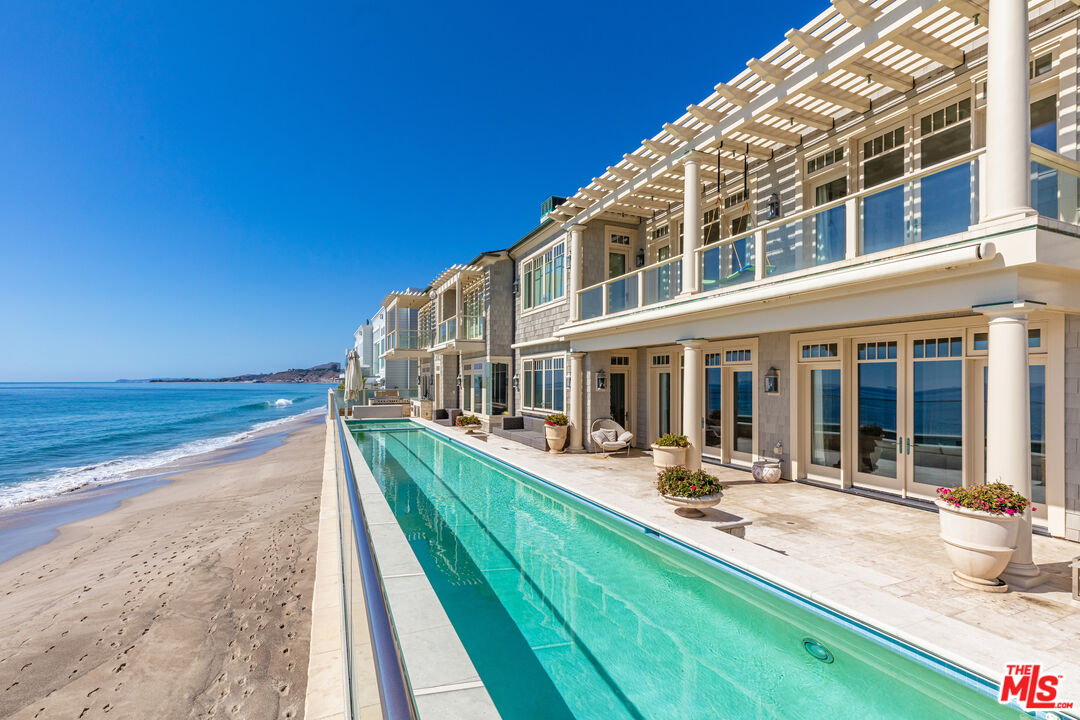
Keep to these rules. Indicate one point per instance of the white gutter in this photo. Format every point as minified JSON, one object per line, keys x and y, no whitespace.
{"x":541,"y":341}
{"x":857,"y":275}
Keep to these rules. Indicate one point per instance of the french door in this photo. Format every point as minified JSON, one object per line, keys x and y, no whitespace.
{"x":620,"y":391}
{"x":878,"y":413}
{"x":823,"y":408}
{"x":665,"y":407}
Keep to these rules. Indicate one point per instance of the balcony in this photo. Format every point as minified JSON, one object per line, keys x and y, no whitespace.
{"x":877,"y":223}
{"x":468,"y":334}
{"x":402,"y":344}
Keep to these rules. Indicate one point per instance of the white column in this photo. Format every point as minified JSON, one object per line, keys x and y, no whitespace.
{"x":459,"y":303}
{"x":577,"y":402}
{"x":1008,"y":119}
{"x":693,"y":373}
{"x":691,"y":219}
{"x":575,"y":284}
{"x":1008,"y":424}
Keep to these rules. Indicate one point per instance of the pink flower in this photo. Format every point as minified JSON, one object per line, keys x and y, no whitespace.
{"x":1011,"y":511}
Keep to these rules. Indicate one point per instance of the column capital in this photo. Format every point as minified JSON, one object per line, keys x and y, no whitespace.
{"x":578,"y":227}
{"x":697,"y":157}
{"x":692,"y":342}
{"x":1011,"y":307}
{"x":577,"y":355}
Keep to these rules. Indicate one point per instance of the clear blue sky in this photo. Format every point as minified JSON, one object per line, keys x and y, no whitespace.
{"x":213,"y":188}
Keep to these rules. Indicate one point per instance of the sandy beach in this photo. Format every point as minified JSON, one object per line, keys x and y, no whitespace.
{"x":189,"y":600}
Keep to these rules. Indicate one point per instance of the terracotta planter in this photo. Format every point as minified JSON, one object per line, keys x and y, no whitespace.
{"x":665,"y":456}
{"x":979,"y":545}
{"x":766,"y":470}
{"x":556,"y":437}
{"x":692,"y":507}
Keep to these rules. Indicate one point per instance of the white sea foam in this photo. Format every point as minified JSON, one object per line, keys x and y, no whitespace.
{"x":282,"y":402}
{"x":67,"y":479}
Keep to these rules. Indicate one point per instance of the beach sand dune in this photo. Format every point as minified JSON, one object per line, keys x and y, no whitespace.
{"x":191,"y":600}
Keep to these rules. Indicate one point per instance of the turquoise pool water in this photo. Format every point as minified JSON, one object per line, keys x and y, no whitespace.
{"x":570,"y":612}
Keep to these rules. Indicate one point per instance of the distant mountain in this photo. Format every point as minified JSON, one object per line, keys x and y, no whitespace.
{"x":325,"y":373}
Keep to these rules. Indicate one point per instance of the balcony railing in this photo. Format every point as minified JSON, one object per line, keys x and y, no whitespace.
{"x":653,"y":284}
{"x":930,"y":203}
{"x":471,"y":327}
{"x":402,"y":340}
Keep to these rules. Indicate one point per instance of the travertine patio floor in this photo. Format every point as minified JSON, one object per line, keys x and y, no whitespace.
{"x":891,"y":547}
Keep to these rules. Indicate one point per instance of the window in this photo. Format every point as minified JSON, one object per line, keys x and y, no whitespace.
{"x":824,"y":160}
{"x":945,"y":133}
{"x":543,"y":384}
{"x":1040,"y":65}
{"x":820,"y":350}
{"x":499,"y":384}
{"x":711,"y":224}
{"x":620,"y":239}
{"x":877,"y":351}
{"x":939,"y":348}
{"x":618,"y":253}
{"x":544,"y":277}
{"x":833,"y":190}
{"x":1044,"y":123}
{"x":621,"y":360}
{"x":661,"y":232}
{"x":659,"y":360}
{"x":737,"y":356}
{"x":883,"y":158}
{"x":735,"y":199}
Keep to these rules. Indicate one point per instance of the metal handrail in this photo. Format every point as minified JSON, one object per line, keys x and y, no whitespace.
{"x":389,"y":672}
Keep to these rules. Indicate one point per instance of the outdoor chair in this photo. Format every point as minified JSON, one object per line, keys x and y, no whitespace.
{"x":610,"y":436}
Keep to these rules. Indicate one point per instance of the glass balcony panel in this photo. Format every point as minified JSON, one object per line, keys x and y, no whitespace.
{"x":622,"y":294}
{"x":592,"y":303}
{"x":884,"y":220}
{"x":727,"y":264}
{"x":945,"y":203}
{"x":1055,"y":193}
{"x":663,"y":283}
{"x":808,"y":242}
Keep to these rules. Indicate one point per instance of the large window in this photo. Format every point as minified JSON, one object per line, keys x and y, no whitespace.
{"x":883,"y":213}
{"x":543,"y":278}
{"x":543,"y":384}
{"x":946,"y":195}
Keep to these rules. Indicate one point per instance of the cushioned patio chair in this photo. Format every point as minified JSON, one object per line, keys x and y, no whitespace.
{"x":610,"y":436}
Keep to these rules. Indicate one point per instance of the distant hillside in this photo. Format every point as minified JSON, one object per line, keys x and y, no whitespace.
{"x":325,"y":373}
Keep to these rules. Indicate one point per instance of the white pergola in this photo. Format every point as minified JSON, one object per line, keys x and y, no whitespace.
{"x":850,"y":56}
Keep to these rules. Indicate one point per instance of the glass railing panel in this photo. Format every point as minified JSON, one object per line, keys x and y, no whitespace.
{"x":663,"y":283}
{"x":1055,"y":193}
{"x":727,"y":264}
{"x":472,"y":328}
{"x":808,"y":242}
{"x":591,"y":303}
{"x":945,"y":202}
{"x":622,"y":294}
{"x":884,"y":220}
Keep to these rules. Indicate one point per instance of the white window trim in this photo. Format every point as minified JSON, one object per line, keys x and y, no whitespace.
{"x":521,"y":390}
{"x":563,"y":240}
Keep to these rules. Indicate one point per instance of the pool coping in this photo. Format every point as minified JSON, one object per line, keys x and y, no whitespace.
{"x":969,"y":648}
{"x":440,"y":674}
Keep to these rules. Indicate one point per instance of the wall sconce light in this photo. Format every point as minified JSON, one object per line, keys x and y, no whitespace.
{"x":569,"y":378}
{"x":772,"y":381}
{"x":517,"y":382}
{"x":601,"y":380}
{"x":779,"y":448}
{"x":459,"y":381}
{"x":774,"y":206}
{"x":641,"y":257}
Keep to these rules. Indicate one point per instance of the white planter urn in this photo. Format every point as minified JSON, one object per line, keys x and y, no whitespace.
{"x":668,"y":456}
{"x":767,"y":470}
{"x":692,"y":507}
{"x":556,"y":437}
{"x":979,"y":545}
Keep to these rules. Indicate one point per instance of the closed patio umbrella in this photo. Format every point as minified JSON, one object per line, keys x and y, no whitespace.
{"x":352,"y":377}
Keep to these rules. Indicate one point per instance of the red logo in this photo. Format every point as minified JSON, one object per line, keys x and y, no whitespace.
{"x":1032,"y":689}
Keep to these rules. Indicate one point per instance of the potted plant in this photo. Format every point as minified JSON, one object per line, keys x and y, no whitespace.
{"x":467,"y":423}
{"x":669,"y":450}
{"x":979,"y":525}
{"x":555,"y":431}
{"x":689,"y":491}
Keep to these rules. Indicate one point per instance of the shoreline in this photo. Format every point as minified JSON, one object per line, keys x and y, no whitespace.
{"x":192,"y":600}
{"x":37,"y":522}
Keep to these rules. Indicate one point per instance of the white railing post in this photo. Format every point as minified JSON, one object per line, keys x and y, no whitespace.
{"x":851,"y":228}
{"x":760,"y":256}
{"x":640,"y":288}
{"x":604,"y":299}
{"x":575,"y":251}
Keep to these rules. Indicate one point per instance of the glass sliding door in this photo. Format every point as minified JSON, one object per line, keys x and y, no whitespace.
{"x":618,"y":398}
{"x":714,"y":411}
{"x":742,"y":405}
{"x":825,"y":412}
{"x":664,"y":394}
{"x":936,"y":458}
{"x":877,"y":414}
{"x":663,"y":407}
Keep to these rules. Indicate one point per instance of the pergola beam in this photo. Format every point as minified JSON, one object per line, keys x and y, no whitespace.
{"x":705,"y":115}
{"x":682,"y":133}
{"x":838,"y":96}
{"x":858,"y":14}
{"x":929,"y":47}
{"x":881,"y":73}
{"x":807,"y":44}
{"x":609,"y":183}
{"x":734,"y":95}
{"x":623,"y":173}
{"x":660,"y":148}
{"x":639,"y":161}
{"x":818,"y":121}
{"x":767,"y":71}
{"x":767,"y":132}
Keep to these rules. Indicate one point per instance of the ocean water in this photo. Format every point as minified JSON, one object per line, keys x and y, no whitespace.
{"x":55,"y":437}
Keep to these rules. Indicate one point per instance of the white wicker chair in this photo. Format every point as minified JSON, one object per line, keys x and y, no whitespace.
{"x":623,"y":437}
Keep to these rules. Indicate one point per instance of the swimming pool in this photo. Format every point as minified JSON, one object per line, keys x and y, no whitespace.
{"x":568,"y":611}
